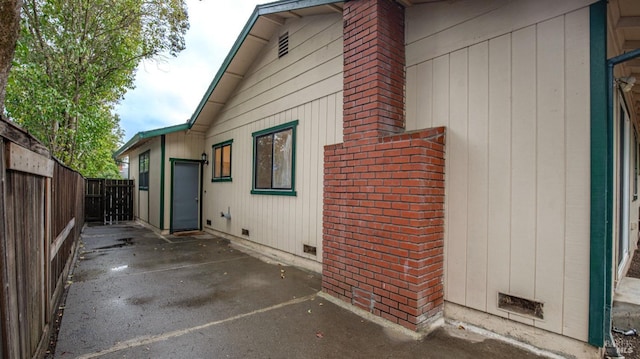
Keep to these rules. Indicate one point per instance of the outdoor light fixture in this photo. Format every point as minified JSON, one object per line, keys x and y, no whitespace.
{"x":626,"y":83}
{"x":204,"y":158}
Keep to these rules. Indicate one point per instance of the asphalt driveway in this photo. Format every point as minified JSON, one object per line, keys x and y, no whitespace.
{"x":135,"y":294}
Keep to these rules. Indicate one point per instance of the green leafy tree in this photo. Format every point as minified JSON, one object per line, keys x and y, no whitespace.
{"x":74,"y":61}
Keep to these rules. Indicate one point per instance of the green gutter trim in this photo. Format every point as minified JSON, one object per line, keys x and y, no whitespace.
{"x":601,"y":162}
{"x":162,"y":178}
{"x":265,"y":9}
{"x":289,"y":5}
{"x":148,"y":134}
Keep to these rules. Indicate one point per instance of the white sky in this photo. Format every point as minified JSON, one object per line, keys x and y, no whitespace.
{"x":168,"y":91}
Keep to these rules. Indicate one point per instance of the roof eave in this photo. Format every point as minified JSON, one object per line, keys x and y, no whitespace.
{"x":260,"y":10}
{"x":149,"y":134}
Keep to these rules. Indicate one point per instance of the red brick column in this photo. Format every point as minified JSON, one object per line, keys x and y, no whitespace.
{"x":373,"y":69}
{"x":383,"y":218}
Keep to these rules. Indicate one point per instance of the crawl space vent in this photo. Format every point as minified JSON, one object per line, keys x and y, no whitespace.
{"x":283,"y":45}
{"x":309,"y":249}
{"x":521,"y":306}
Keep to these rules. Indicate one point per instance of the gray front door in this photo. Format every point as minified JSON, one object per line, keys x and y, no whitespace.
{"x":185,"y":206}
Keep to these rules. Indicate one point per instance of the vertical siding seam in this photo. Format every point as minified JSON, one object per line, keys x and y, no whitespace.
{"x":487,"y":175}
{"x":566,"y":175}
{"x":468,"y":181}
{"x":488,"y":171}
{"x":510,"y":153}
{"x":535,"y":179}
{"x":447,"y":188}
{"x":510,"y":219}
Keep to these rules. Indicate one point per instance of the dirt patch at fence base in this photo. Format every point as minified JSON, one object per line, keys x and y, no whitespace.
{"x":55,"y":327}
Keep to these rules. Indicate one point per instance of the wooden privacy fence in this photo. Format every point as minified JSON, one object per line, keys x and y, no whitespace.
{"x":41,"y":217}
{"x":108,"y":200}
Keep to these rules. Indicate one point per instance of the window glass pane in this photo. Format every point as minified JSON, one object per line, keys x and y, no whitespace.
{"x":217,"y":165}
{"x":144,"y":170}
{"x":226,"y":161}
{"x":264,"y":156}
{"x":282,"y":155}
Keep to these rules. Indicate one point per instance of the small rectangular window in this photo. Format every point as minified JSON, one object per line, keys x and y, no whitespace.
{"x":274,"y":160}
{"x":222,"y":161}
{"x":144,"y":171}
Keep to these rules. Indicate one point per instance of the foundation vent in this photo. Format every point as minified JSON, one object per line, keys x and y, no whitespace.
{"x":245,"y":232}
{"x":522,"y":306}
{"x":309,"y":249}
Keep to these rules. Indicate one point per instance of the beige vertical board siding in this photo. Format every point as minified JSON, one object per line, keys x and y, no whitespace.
{"x":305,"y":178}
{"x":551,"y":173}
{"x":526,"y":190}
{"x":154,"y":183}
{"x":440,"y":28}
{"x":523,"y":167}
{"x":458,"y":175}
{"x":498,"y":227}
{"x":319,"y":170}
{"x":312,"y":176}
{"x":339,"y":125}
{"x":134,"y":172}
{"x":478,"y":164}
{"x":411,"y":99}
{"x":576,"y":264}
{"x":305,"y":85}
{"x":330,"y":123}
{"x":441,"y":83}
{"x":182,"y":145}
{"x":425,"y":103}
{"x":441,"y":118}
{"x":280,"y":222}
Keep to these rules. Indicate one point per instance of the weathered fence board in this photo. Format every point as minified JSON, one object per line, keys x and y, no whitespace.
{"x":25,"y":227}
{"x":41,"y":218}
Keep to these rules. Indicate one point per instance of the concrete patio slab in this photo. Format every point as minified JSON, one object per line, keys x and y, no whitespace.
{"x":135,"y":294}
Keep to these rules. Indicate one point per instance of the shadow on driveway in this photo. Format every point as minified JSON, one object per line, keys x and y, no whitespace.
{"x":135,"y":294}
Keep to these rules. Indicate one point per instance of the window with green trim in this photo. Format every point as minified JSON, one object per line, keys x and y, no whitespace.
{"x":274,"y":160}
{"x":221,"y":161}
{"x":143,"y":178}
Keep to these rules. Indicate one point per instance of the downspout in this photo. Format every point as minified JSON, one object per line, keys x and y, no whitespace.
{"x":201,"y":193}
